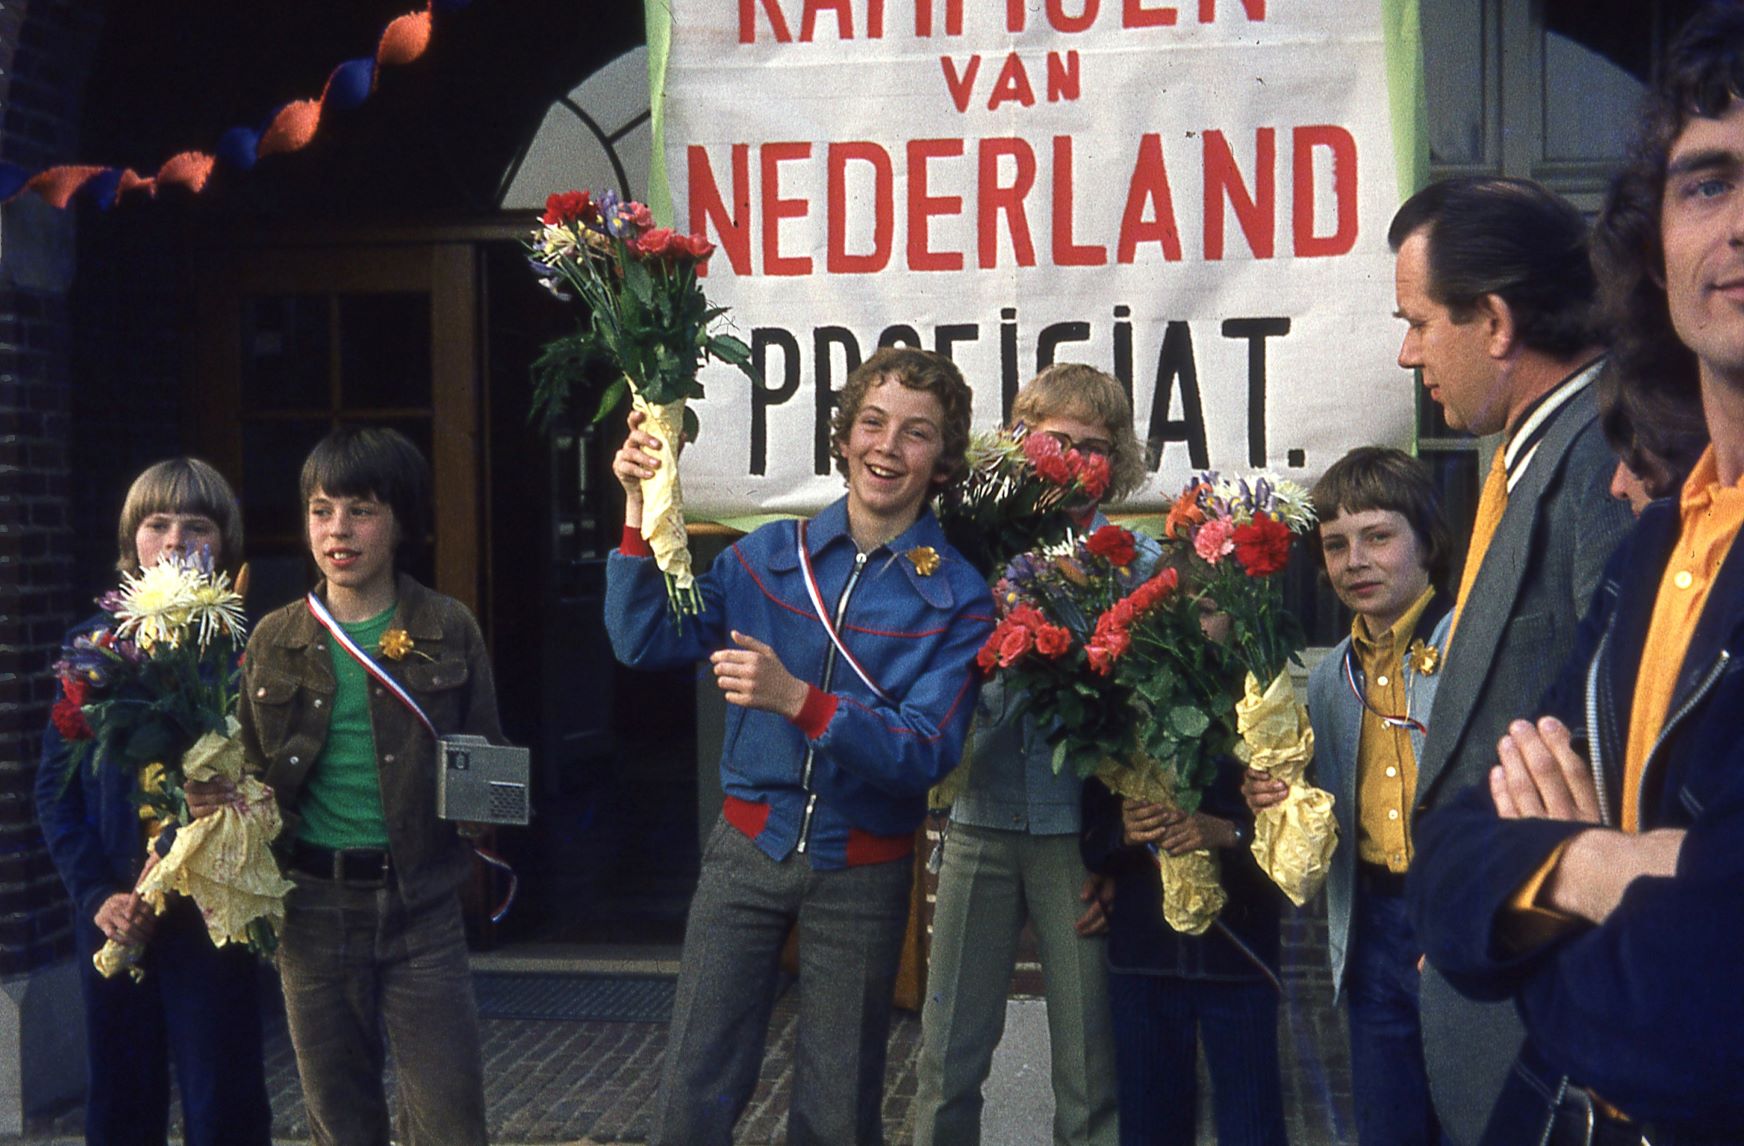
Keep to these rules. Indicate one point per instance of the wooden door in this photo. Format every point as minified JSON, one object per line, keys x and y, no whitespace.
{"x":292,"y":342}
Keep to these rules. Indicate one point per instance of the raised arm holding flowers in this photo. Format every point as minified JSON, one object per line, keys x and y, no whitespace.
{"x":648,"y":316}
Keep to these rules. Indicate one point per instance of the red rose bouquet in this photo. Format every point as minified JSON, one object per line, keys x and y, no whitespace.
{"x":1116,"y":667}
{"x":648,"y":315}
{"x":1237,"y":533}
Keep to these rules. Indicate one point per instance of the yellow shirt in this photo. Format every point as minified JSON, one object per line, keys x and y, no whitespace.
{"x":1712,"y":515}
{"x":1386,"y":768}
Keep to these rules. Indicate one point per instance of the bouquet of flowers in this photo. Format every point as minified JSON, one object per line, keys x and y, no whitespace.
{"x":1239,"y":534}
{"x":1018,"y":496}
{"x":647,"y":314}
{"x":153,"y":691}
{"x":1118,"y":669}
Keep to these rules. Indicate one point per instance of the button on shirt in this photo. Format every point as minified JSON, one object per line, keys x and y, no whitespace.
{"x":1386,"y":766}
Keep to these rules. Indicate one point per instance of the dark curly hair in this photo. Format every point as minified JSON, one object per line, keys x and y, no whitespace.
{"x":1704,"y":73}
{"x":917,"y":370}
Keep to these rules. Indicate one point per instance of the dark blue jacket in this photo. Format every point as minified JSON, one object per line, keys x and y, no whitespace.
{"x":872,"y":761}
{"x":1242,"y":945}
{"x":90,"y":821}
{"x":1645,"y":1009}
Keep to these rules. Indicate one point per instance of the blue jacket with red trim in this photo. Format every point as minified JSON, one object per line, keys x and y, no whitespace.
{"x":846,"y":781}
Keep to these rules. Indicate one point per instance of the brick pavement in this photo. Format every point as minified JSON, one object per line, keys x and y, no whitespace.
{"x":592,"y":1083}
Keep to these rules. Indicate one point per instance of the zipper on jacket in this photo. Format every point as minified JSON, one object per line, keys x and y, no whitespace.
{"x":829,"y":673}
{"x":1595,"y":734}
{"x":1715,"y":671}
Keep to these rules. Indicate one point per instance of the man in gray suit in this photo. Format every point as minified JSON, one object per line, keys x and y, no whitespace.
{"x":1493,"y":279}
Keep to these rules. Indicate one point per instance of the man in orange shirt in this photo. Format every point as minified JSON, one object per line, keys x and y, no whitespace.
{"x":1599,"y":880}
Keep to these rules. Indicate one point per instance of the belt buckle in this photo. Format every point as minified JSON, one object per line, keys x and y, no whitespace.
{"x":340,"y":856}
{"x":1584,"y":1101}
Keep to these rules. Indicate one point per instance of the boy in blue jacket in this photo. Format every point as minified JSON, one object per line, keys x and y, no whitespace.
{"x":845,"y":648}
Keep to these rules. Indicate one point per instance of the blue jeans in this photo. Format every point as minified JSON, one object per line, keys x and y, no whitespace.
{"x":197,"y":1006}
{"x":1158,"y":1022}
{"x":1389,"y":1085}
{"x":356,"y":961}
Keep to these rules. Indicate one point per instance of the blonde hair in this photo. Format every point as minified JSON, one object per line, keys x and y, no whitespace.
{"x":1074,"y":390}
{"x":179,"y":485}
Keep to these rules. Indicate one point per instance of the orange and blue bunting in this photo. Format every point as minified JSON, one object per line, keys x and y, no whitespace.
{"x":290,"y":128}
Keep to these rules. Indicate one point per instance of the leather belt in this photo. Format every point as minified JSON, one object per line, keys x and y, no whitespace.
{"x":1379,"y":879}
{"x":368,"y":867}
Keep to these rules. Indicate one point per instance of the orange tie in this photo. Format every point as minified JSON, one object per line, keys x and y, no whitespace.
{"x":1492,"y":504}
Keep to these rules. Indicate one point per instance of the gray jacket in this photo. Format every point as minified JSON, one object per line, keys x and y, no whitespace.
{"x":1537,"y":579}
{"x":1337,"y":718}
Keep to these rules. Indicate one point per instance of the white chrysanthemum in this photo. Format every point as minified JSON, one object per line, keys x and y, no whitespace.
{"x":156,"y":603}
{"x":216,"y":609}
{"x":1293,"y":504}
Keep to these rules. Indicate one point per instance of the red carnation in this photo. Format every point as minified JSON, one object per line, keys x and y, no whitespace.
{"x":1027,"y":616}
{"x":1053,"y":641}
{"x":1113,"y":543}
{"x":1262,"y":546}
{"x":696,"y":246}
{"x":1093,"y":475}
{"x":69,"y":720}
{"x":1045,"y":455}
{"x":989,"y":654}
{"x":566,"y":207}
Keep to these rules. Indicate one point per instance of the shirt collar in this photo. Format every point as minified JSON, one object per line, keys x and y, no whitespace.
{"x":831,"y":526}
{"x":1400,"y":632}
{"x":1520,"y":444}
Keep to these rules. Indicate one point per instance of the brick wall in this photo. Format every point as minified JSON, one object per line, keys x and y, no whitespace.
{"x":45,"y":46}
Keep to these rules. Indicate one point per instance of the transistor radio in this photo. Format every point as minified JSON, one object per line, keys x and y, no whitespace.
{"x":480,"y":782}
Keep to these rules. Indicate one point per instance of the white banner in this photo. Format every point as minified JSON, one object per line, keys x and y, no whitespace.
{"x":1191,"y":195}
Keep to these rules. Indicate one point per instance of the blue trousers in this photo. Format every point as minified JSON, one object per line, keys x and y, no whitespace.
{"x":1388,"y":1082}
{"x":199,"y":1007}
{"x":1158,"y":1023}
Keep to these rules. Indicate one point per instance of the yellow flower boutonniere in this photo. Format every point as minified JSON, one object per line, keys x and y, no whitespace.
{"x":151,"y":783}
{"x":395,"y":644}
{"x":925,"y":558}
{"x":1423,"y":658}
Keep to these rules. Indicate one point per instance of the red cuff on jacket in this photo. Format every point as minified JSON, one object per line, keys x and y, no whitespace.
{"x":748,"y":816}
{"x":815,"y":714}
{"x":633,"y":544}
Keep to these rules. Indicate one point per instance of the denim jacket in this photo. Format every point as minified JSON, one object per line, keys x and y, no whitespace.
{"x":1012,"y":785}
{"x":287,"y":701}
{"x":853,"y":765}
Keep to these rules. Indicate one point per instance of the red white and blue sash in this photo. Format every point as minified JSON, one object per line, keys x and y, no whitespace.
{"x":823,"y":614}
{"x":324,"y":618}
{"x":318,"y":609}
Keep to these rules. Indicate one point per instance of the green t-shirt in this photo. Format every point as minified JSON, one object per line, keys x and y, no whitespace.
{"x":341,"y":800}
